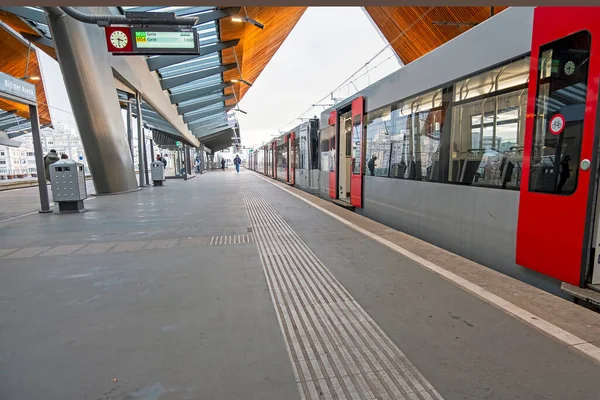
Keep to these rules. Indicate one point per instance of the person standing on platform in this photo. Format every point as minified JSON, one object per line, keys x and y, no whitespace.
{"x":223,"y":164}
{"x":237,"y":161}
{"x":50,"y":159}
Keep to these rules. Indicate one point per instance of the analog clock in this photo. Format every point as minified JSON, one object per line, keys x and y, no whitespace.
{"x":569,"y":67}
{"x":119,"y":39}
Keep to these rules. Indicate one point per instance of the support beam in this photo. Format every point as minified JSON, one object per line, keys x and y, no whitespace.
{"x":202,"y":104}
{"x":208,"y":129}
{"x":39,"y":160}
{"x":217,"y":14}
{"x":38,"y":39}
{"x":88,"y":77}
{"x":170,"y":83}
{"x":158,"y":62}
{"x":27,"y":13}
{"x":191,"y":119}
{"x":195,"y":93}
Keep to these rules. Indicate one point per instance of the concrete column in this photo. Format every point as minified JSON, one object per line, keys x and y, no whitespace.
{"x":87,"y":73}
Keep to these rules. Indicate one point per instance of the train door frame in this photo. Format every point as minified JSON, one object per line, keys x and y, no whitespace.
{"x":358,"y":131}
{"x":274,"y":160}
{"x":333,"y":121}
{"x":291,"y":159}
{"x":572,"y":260}
{"x":265,"y":167}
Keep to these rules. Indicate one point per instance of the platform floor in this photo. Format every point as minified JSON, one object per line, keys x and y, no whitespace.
{"x":232,"y":286}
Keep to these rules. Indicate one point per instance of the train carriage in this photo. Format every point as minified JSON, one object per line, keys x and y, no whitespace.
{"x":485,"y":146}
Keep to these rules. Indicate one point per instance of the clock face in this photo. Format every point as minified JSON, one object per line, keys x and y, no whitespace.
{"x":118,"y":39}
{"x":569,"y":67}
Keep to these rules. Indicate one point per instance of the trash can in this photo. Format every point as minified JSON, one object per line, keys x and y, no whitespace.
{"x":67,"y":179}
{"x":157,"y":169}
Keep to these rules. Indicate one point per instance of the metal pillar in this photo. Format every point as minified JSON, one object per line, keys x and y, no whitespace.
{"x":89,"y":80}
{"x":39,"y":160}
{"x":151,"y":150}
{"x":185,"y":166}
{"x":130,"y":128}
{"x":146,"y":161}
{"x":140,"y":128}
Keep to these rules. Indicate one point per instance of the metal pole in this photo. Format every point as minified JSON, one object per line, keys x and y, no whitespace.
{"x":39,"y":160}
{"x":130,"y":128}
{"x":151,"y":150}
{"x":185,"y":167}
{"x":146,"y":161}
{"x":140,"y":140}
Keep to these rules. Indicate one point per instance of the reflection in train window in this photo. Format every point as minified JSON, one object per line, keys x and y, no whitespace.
{"x":560,"y":109}
{"x":326,"y":133}
{"x":487,"y":141}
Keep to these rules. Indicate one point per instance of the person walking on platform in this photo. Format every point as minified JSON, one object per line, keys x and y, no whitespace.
{"x":371,"y":165}
{"x":237,"y":161}
{"x":223,"y":164}
{"x":50,"y":159}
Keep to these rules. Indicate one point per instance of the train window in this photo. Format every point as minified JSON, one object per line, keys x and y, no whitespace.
{"x":324,"y":148}
{"x":504,"y":77}
{"x":357,"y":130}
{"x":300,"y":157}
{"x":378,"y":142}
{"x":559,"y":114}
{"x":402,"y":145}
{"x":487,"y":141}
{"x":314,"y":148}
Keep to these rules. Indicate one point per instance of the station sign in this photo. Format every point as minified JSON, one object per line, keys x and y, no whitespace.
{"x":138,"y":41}
{"x":14,"y":87}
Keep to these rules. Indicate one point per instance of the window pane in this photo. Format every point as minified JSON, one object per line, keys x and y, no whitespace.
{"x":500,"y":78}
{"x":427,"y":134}
{"x":325,"y":134}
{"x":357,"y":130}
{"x":487,"y":141}
{"x":378,"y":146}
{"x":314,"y":149}
{"x":282,"y":160}
{"x":562,"y":89}
{"x":402,"y":146}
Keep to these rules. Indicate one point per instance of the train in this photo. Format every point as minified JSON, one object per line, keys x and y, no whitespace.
{"x":486,"y":146}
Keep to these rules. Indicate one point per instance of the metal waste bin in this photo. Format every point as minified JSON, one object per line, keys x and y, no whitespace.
{"x":67,"y":179}
{"x":157,"y":169}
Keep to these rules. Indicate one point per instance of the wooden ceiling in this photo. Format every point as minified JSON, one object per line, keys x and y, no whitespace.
{"x":256,"y":46}
{"x":13,"y":60}
{"x":23,"y":28}
{"x":411,"y":32}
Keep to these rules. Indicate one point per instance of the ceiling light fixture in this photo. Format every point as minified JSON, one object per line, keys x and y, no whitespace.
{"x":246,"y":18}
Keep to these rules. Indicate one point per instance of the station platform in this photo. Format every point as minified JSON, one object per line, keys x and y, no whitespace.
{"x":235,"y":286}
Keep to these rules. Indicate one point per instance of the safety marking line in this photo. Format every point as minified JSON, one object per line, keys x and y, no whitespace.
{"x":336,"y":349}
{"x":549,"y":328}
{"x":231,"y":239}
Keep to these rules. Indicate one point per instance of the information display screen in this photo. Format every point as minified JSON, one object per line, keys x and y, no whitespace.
{"x":164,"y":40}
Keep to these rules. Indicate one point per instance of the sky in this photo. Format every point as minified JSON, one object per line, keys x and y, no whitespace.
{"x":327,"y":45}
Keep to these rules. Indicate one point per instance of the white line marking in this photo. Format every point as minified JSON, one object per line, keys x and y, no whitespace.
{"x":549,"y":328}
{"x":316,"y":313}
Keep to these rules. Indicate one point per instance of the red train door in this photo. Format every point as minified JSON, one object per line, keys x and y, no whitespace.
{"x":292,"y":158}
{"x":558,"y":186}
{"x":356,"y":178}
{"x":286,"y":142}
{"x":333,"y":117}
